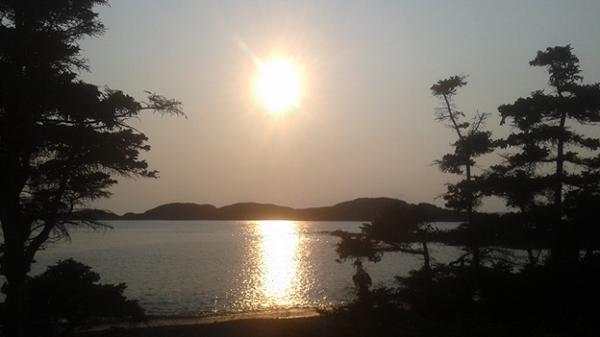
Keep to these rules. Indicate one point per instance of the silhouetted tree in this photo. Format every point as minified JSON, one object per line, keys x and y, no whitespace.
{"x":581,"y":207}
{"x":61,"y":140}
{"x":356,"y":246}
{"x":514,"y":180}
{"x":550,"y":173}
{"x":399,"y":228}
{"x":68,"y":296}
{"x":549,"y":155}
{"x":472,"y":142}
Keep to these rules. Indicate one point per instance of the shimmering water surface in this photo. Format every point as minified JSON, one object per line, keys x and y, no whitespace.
{"x":195,"y":267}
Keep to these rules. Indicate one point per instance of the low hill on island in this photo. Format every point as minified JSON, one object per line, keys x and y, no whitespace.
{"x":362,"y":209}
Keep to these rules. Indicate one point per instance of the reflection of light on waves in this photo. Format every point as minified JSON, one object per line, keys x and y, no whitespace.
{"x":279,"y":263}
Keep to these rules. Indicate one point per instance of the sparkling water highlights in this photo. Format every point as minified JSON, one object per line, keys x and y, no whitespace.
{"x":276,"y":269}
{"x":279,"y":262}
{"x":195,"y":267}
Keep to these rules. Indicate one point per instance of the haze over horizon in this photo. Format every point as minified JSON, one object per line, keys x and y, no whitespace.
{"x":366,"y":101}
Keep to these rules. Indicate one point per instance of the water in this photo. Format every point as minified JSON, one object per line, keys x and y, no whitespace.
{"x":197,"y":267}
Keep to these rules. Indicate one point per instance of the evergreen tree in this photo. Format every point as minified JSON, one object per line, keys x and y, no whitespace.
{"x":551,"y":159}
{"x":472,"y":141}
{"x":62,"y":140}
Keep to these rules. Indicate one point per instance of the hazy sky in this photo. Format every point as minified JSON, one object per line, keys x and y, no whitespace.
{"x":366,"y":124}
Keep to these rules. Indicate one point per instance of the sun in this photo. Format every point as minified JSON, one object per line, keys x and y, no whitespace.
{"x":278,"y":85}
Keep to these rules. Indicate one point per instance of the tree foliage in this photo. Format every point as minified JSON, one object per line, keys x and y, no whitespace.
{"x":550,"y":159}
{"x":548,"y":173}
{"x":68,"y":296}
{"x":62,"y":141}
{"x":397,"y":229}
{"x":472,"y":141}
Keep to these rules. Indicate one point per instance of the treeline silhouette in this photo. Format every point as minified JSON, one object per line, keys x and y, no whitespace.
{"x":532,"y":272}
{"x":361,"y":209}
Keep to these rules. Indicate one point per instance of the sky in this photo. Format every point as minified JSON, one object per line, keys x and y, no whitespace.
{"x":365,"y":126}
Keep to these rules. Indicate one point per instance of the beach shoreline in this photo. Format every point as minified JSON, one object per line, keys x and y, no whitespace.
{"x":163,"y":321}
{"x":290,"y":323}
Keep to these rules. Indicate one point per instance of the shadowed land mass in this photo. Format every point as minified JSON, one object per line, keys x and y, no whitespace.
{"x":362,"y":209}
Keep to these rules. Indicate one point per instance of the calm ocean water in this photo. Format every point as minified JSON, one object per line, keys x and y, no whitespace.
{"x":196,"y":267}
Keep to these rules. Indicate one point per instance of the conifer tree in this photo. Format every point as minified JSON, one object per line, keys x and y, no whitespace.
{"x":472,"y":141}
{"x":552,"y":165}
{"x":62,"y":141}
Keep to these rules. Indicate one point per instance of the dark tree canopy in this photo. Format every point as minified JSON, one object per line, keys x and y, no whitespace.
{"x":62,"y":141}
{"x":548,"y":173}
{"x":562,"y":65}
{"x":397,"y":229}
{"x":68,"y":295}
{"x":552,"y":165}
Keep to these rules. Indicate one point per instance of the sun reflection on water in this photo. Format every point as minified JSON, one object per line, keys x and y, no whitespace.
{"x":276,"y":274}
{"x":279,"y":261}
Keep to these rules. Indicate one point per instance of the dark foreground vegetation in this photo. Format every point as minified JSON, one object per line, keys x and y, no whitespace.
{"x":531,"y":272}
{"x":62,"y":140}
{"x":299,"y":327}
{"x":68,"y":297}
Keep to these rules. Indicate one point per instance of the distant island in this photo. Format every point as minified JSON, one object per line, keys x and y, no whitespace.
{"x":361,"y":209}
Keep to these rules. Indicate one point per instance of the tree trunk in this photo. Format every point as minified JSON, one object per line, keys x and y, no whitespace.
{"x":531,"y":257}
{"x":558,"y":253}
{"x":473,"y":244}
{"x":564,"y":250}
{"x":14,"y":264}
{"x":15,"y":268}
{"x":15,"y":306}
{"x":426,"y":257}
{"x":473,"y":240}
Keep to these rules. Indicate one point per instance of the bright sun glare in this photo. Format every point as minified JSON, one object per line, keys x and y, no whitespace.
{"x":278,"y":85}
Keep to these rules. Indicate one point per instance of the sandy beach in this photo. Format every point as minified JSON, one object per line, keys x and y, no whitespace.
{"x":291,"y":323}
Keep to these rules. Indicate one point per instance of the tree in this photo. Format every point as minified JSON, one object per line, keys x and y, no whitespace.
{"x":472,"y":142}
{"x":397,"y":229}
{"x":550,"y":155}
{"x":62,"y":141}
{"x":68,"y":296}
